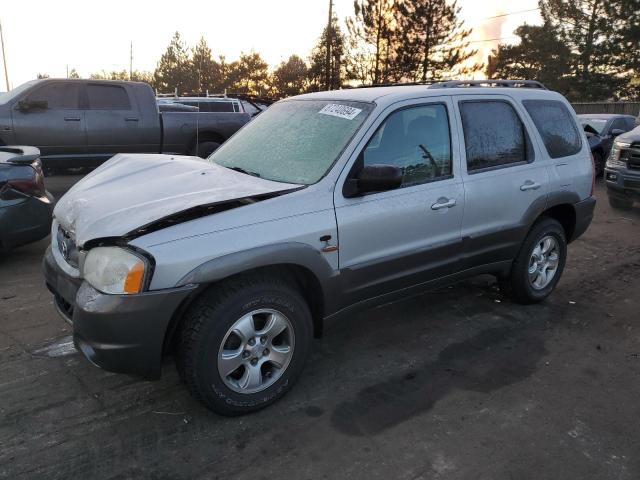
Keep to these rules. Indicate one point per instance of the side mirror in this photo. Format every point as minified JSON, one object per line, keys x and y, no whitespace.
{"x":29,"y":105}
{"x":373,"y":178}
{"x":616,"y":131}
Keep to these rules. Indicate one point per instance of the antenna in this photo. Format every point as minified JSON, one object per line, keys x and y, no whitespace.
{"x":4,"y":59}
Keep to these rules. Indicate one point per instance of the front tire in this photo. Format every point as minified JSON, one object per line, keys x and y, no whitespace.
{"x":244,"y":344}
{"x":538,"y":267}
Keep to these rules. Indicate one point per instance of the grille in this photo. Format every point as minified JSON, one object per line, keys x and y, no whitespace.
{"x":67,"y":247}
{"x":632,"y":183}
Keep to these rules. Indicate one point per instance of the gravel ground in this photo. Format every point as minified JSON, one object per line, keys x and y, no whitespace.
{"x":456,"y":384}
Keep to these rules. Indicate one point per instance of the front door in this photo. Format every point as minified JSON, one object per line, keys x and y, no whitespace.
{"x":56,"y":123}
{"x":395,"y":239}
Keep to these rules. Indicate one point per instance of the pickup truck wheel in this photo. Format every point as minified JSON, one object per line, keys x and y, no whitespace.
{"x":244,"y":343}
{"x":539,"y":264}
{"x":205,"y":148}
{"x":621,"y":203}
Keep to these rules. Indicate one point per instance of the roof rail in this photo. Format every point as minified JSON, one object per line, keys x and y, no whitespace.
{"x":489,"y":83}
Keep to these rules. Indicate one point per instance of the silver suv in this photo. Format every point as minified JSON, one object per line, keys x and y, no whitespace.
{"x":325,"y":203}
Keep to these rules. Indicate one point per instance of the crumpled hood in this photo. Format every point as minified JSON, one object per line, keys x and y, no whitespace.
{"x":130,"y":191}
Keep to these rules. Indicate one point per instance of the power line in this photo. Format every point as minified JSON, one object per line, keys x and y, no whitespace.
{"x":511,"y":13}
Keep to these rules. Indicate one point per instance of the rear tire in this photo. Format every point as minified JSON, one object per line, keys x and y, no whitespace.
{"x":539,"y":264}
{"x":620,"y":203}
{"x":235,"y":323}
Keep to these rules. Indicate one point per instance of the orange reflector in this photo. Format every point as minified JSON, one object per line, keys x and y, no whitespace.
{"x":133,"y":282}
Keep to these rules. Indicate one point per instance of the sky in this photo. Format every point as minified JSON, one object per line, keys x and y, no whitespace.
{"x":47,"y":36}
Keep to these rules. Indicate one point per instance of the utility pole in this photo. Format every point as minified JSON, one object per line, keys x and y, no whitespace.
{"x":328,"y":60}
{"x":4,"y":59}
{"x":131,"y":61}
{"x":67,"y":70}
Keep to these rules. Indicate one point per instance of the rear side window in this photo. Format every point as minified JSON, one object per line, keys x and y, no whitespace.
{"x":107,"y":97}
{"x":493,"y":134}
{"x":59,"y":96}
{"x":556,"y":127}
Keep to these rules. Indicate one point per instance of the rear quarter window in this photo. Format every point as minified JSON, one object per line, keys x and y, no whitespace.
{"x":107,"y":97}
{"x":556,"y":127}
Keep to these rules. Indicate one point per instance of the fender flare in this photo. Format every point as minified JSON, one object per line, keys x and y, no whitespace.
{"x":289,"y":253}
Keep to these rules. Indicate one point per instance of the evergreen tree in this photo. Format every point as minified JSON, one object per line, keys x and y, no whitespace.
{"x":373,"y":26}
{"x":431,"y":42}
{"x":290,"y":77}
{"x":207,"y":75}
{"x":318,"y":59}
{"x":250,"y":74}
{"x":173,"y":70}
{"x":539,"y":56}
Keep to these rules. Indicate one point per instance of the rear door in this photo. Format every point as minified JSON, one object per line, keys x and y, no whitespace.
{"x":114,"y":122}
{"x":57,"y":129}
{"x":505,"y":180}
{"x":395,"y":239}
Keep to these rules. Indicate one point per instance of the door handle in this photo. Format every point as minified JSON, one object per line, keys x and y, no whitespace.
{"x":443,"y":203}
{"x":131,"y":119}
{"x":529,"y":185}
{"x":71,"y":119}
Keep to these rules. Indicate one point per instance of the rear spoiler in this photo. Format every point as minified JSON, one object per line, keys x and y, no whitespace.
{"x":19,"y":155}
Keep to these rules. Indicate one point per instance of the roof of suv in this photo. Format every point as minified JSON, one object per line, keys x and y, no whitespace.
{"x":398,"y":93}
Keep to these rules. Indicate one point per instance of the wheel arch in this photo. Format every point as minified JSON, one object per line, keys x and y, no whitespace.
{"x":301,"y":265}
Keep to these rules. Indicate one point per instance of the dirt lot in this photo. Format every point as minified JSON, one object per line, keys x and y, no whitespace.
{"x":457,"y":383}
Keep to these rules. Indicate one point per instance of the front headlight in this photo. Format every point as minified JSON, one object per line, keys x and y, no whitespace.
{"x":614,"y":156}
{"x":115,"y":270}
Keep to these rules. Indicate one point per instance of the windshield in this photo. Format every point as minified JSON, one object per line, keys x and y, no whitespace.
{"x":597,"y":124}
{"x":295,"y":141}
{"x":8,"y":96}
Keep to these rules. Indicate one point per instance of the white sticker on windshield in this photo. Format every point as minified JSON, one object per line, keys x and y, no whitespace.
{"x":342,"y":111}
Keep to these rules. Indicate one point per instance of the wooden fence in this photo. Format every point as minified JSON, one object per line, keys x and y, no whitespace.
{"x":621,"y":108}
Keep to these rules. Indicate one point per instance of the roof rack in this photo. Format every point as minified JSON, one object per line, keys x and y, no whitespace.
{"x":489,"y":83}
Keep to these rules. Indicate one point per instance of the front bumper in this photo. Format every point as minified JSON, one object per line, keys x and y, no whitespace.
{"x":623,"y":182}
{"x":119,"y":333}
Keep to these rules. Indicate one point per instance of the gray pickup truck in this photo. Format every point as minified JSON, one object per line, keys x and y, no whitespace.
{"x":82,"y":123}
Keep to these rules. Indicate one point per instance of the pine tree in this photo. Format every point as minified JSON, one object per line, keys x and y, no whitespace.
{"x":205,"y":70}
{"x":290,"y":77}
{"x":431,"y":42}
{"x":250,"y":74}
{"x":372,"y":27}
{"x":173,"y":70}
{"x":318,"y":59}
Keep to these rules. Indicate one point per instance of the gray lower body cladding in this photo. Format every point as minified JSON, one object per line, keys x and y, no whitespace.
{"x":119,"y":333}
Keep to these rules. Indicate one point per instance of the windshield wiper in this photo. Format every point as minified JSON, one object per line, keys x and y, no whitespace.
{"x":246,"y":172}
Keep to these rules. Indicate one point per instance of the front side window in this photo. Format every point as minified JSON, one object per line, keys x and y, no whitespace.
{"x":295,"y":141}
{"x":417,"y":141}
{"x":59,"y":96}
{"x":107,"y":97}
{"x":556,"y":127}
{"x":493,"y":134}
{"x":619,"y":124}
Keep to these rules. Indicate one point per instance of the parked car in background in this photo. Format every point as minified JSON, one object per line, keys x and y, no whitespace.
{"x":235,"y":267}
{"x":622,"y":172}
{"x":82,"y":123}
{"x":25,"y":206}
{"x":601,"y":130}
{"x":227,"y":102}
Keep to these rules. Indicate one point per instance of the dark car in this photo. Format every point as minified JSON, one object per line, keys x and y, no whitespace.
{"x":601,"y":129}
{"x":25,"y":206}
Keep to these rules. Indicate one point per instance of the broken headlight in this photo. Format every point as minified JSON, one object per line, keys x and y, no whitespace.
{"x":115,"y":270}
